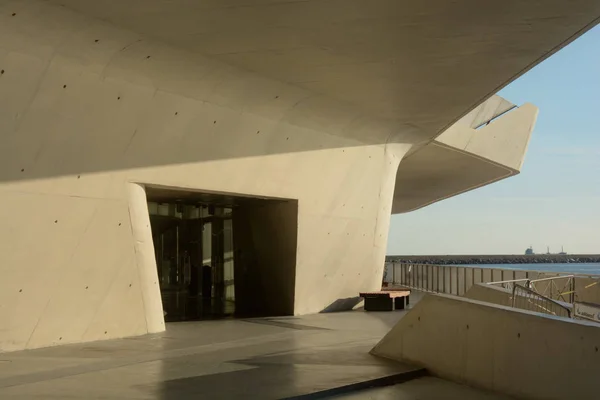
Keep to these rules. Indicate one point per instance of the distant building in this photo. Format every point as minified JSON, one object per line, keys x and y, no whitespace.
{"x":562,"y":251}
{"x":529,"y":251}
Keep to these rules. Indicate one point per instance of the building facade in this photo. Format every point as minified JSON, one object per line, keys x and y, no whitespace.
{"x":269,"y":141}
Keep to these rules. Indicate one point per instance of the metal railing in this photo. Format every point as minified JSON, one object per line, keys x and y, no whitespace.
{"x":527,"y":299}
{"x":455,"y":280}
{"x":561,"y":287}
{"x":527,"y":289}
{"x":509,"y":285}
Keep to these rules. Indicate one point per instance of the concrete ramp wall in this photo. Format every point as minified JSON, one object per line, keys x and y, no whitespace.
{"x":515,"y":352}
{"x":489,"y":294}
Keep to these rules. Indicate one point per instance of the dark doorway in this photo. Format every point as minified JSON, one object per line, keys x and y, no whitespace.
{"x":221,"y":255}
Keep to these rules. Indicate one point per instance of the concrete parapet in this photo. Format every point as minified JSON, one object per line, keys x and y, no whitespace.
{"x":515,"y":352}
{"x":489,"y":294}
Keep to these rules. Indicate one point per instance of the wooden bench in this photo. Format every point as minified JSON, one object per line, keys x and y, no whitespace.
{"x":386,"y":300}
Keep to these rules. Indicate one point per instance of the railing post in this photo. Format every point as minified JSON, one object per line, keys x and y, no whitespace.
{"x":457,"y":282}
{"x":430,"y":275}
{"x":415,"y":275}
{"x":444,"y":279}
{"x":403,"y":274}
{"x":393,"y":273}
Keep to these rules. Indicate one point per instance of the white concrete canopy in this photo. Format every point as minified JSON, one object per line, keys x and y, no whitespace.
{"x":463,"y":158}
{"x":407,"y":65}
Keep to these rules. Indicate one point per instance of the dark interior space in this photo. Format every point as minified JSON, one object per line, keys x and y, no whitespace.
{"x":220,"y":255}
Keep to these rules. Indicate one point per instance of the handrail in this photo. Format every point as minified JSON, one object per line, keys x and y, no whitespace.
{"x":458,"y":279}
{"x":551,"y":291}
{"x":553,"y":277}
{"x":527,"y":299}
{"x":509,"y":281}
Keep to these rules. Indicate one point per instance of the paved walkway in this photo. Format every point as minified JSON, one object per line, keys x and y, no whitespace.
{"x":251,"y":359}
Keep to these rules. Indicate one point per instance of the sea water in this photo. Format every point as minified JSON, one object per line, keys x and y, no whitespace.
{"x":569,"y":268}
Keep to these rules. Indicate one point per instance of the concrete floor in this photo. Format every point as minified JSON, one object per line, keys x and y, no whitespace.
{"x":251,"y":359}
{"x":266,"y":358}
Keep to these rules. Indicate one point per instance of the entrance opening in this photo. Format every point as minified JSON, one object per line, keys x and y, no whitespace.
{"x":221,"y":255}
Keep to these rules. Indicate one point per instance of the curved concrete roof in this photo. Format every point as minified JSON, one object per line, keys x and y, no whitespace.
{"x":415,"y":65}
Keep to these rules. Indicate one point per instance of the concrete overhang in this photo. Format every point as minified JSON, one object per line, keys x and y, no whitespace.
{"x":401,"y":70}
{"x":487,"y":145}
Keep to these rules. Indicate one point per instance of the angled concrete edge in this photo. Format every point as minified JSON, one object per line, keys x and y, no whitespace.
{"x":497,"y":348}
{"x":464,"y":158}
{"x":389,"y":380}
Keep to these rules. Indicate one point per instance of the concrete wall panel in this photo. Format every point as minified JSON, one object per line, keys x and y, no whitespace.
{"x":436,"y":278}
{"x":93,"y":98}
{"x":587,"y":290}
{"x":461,"y":274}
{"x":448,"y":279}
{"x":487,"y":275}
{"x":498,"y":348}
{"x":496,"y":275}
{"x":478,"y":275}
{"x":88,"y":108}
{"x":490,"y":294}
{"x":469,"y":278}
{"x":521,"y":275}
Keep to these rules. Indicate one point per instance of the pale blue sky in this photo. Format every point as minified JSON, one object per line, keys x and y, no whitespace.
{"x":556,"y":199}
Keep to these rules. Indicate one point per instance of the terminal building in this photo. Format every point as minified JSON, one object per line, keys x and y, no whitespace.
{"x":183,"y":160}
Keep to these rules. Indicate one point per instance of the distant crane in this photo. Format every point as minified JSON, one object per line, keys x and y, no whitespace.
{"x":562,"y":251}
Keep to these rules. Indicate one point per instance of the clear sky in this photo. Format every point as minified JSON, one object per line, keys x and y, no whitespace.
{"x":555,"y":200}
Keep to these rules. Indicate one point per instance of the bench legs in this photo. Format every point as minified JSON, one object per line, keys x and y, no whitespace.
{"x":399,"y":303}
{"x":379,"y":303}
{"x":385,"y":303}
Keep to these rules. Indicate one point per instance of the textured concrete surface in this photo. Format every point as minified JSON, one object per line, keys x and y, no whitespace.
{"x":393,"y":62}
{"x":313,"y":101}
{"x":88,"y":110}
{"x":519,"y":353}
{"x":490,"y":294}
{"x":422,"y":389}
{"x":245,"y":359}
